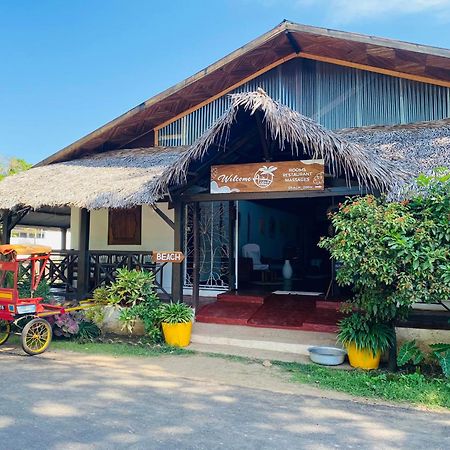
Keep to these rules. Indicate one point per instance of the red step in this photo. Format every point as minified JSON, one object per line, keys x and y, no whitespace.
{"x":242,"y":298}
{"x":227,"y":312}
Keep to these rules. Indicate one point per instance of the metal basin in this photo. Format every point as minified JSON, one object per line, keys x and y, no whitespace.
{"x":327,"y":356}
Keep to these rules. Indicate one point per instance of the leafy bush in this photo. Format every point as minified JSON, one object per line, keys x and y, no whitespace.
{"x":410,"y":353}
{"x":24,"y":288}
{"x":393,"y":254}
{"x":88,"y":331}
{"x":134,"y":293}
{"x":442,"y":353}
{"x":176,"y":313}
{"x":149,"y":311}
{"x":129,"y":288}
{"x":365,"y":334}
{"x":95,"y":314}
{"x":65,"y":325}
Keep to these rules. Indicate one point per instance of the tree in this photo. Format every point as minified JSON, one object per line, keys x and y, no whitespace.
{"x":394,"y":254}
{"x":13,"y":166}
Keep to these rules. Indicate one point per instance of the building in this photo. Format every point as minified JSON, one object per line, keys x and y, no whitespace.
{"x":372,"y":113}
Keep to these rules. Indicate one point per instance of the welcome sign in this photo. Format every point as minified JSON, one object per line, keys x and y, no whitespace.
{"x":280,"y":176}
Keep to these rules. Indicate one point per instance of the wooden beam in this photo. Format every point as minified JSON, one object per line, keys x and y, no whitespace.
{"x":393,"y":73}
{"x":163,"y":216}
{"x":262,"y":136}
{"x":6,"y":226}
{"x":83,"y":255}
{"x":231,"y":244}
{"x":292,"y":41}
{"x":63,"y":238}
{"x":18,"y":216}
{"x":177,"y":269}
{"x":327,"y":192}
{"x":196,"y":256}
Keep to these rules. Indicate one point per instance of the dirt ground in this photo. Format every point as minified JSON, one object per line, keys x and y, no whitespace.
{"x":78,"y":401}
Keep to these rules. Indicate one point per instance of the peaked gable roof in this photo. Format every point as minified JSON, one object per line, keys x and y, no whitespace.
{"x":286,"y":41}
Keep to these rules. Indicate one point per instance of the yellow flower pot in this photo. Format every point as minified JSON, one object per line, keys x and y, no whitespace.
{"x":362,"y":358}
{"x":177,"y":334}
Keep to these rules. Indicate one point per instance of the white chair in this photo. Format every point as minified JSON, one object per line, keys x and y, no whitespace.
{"x":253,"y":252}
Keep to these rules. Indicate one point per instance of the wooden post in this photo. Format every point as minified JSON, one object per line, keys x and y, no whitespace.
{"x":231,"y":245}
{"x":177,"y":269}
{"x":196,"y":262}
{"x":6,"y":226}
{"x":63,"y":238}
{"x":83,"y":255}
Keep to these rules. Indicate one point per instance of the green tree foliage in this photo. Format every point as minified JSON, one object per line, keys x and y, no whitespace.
{"x":13,"y":166}
{"x":394,"y":253}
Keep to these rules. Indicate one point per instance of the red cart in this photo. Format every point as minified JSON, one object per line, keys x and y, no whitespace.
{"x":25,"y":315}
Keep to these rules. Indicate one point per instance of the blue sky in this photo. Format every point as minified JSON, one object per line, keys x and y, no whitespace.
{"x":68,"y":67}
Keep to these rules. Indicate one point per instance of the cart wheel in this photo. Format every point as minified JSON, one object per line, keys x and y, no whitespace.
{"x":5,"y":331}
{"x":36,"y":336}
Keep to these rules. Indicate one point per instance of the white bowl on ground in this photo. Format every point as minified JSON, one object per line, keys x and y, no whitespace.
{"x":327,"y":356}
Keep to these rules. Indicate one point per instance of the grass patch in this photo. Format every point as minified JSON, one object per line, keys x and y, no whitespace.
{"x":413,"y":388}
{"x":112,"y":347}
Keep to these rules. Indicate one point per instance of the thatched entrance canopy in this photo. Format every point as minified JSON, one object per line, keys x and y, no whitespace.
{"x":287,"y":134}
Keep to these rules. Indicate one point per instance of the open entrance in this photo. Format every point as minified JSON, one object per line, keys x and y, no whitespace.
{"x":283,"y":279}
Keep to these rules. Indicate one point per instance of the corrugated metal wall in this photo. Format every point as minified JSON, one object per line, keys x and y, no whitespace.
{"x":335,"y":96}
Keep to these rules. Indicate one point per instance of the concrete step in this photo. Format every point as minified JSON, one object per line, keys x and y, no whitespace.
{"x":267,"y":339}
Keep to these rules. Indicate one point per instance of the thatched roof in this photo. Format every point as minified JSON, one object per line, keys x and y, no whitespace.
{"x":379,"y":157}
{"x":112,"y":179}
{"x":415,"y":148}
{"x":289,"y":128}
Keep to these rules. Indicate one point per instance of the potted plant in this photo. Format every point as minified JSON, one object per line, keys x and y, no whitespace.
{"x":176,"y":320}
{"x":365,"y":340}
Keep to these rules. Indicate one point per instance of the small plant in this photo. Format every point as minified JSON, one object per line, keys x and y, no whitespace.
{"x":176,"y":313}
{"x":24,"y":288}
{"x":65,"y":325}
{"x":101,"y":295}
{"x":410,"y":353}
{"x":95,"y":314}
{"x":88,"y":332}
{"x":149,"y":312}
{"x":130,"y":288}
{"x":442,"y":353}
{"x":365,"y":334}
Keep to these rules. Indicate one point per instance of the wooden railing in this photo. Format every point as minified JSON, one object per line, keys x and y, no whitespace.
{"x":62,"y":269}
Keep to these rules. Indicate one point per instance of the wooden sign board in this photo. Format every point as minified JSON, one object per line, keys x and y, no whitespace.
{"x":280,"y":176}
{"x":167,"y":257}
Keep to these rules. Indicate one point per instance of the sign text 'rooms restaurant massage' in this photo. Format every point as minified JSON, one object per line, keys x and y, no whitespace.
{"x":272,"y":177}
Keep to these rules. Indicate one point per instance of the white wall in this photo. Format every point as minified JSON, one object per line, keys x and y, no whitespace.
{"x":50,"y":237}
{"x":156,"y":234}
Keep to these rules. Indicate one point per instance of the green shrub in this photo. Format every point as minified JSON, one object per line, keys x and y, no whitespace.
{"x":410,"y":353}
{"x":176,"y":313}
{"x":88,"y":332}
{"x":365,"y":334}
{"x":134,"y":293}
{"x":394,"y":253}
{"x":442,"y":353}
{"x":129,"y":288}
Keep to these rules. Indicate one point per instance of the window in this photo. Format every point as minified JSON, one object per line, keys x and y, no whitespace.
{"x":124,"y":226}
